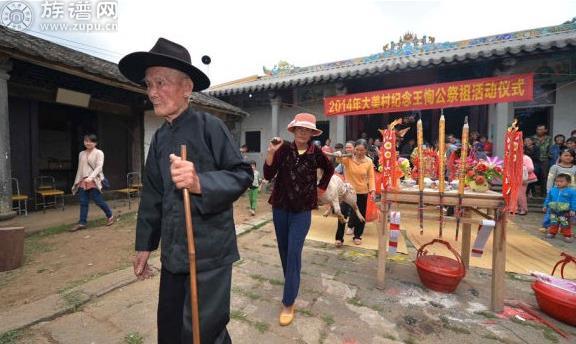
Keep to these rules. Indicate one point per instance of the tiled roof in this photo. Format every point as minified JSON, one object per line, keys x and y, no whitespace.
{"x":204,"y":99}
{"x":409,"y":56}
{"x":22,"y":46}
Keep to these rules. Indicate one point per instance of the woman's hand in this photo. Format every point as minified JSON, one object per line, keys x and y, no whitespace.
{"x":273,"y":146}
{"x":372,"y":194}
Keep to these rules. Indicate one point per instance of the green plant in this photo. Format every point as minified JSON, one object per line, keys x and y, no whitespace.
{"x":492,"y":336}
{"x":35,"y":245}
{"x":447,"y":325}
{"x":260,"y":326}
{"x":355,"y":301}
{"x":486,"y":314}
{"x":389,"y":336}
{"x":410,"y":340}
{"x":323,"y":336}
{"x":126,"y":218}
{"x":305,"y":312}
{"x":74,"y":299}
{"x":133,"y":338}
{"x":550,"y":335}
{"x":10,"y":337}
{"x":249,"y":294}
{"x":260,"y":225}
{"x":261,"y":278}
{"x":238,"y":315}
{"x":328,"y":319}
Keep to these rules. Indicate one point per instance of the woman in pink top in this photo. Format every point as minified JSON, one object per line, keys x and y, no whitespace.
{"x":528,"y":167}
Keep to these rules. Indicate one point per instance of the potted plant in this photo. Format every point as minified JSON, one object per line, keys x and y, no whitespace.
{"x":482,"y":173}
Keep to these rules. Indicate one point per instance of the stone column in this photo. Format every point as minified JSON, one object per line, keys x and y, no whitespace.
{"x":340,"y":120}
{"x":6,"y":211}
{"x":500,"y":116}
{"x":275,"y":102}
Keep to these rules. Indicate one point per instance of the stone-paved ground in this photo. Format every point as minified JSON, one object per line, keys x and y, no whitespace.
{"x":338,"y":303}
{"x":532,"y":224}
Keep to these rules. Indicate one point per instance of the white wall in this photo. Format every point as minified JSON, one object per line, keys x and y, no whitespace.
{"x":259,"y":120}
{"x":564,"y":112}
{"x":151,"y":124}
{"x":499,"y":116}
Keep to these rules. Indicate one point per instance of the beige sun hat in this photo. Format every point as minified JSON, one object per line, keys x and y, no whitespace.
{"x":304,"y":120}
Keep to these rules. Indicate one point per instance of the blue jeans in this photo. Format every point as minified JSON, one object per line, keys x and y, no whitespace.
{"x":546,"y":222}
{"x":291,"y":230}
{"x":85,"y":199}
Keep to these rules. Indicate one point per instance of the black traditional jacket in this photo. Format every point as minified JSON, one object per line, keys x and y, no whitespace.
{"x":223,"y":178}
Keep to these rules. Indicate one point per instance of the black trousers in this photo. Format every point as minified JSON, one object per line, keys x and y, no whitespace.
{"x":174,"y":310}
{"x":346,"y":210}
{"x":532,"y":186}
{"x":362,"y":201}
{"x":545,"y":168}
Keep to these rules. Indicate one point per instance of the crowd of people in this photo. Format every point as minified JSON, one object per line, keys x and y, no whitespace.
{"x":545,"y":158}
{"x":356,"y":162}
{"x":549,"y":169}
{"x":217,"y":174}
{"x":550,"y":172}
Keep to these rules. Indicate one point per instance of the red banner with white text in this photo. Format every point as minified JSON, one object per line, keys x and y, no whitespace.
{"x":501,"y":89}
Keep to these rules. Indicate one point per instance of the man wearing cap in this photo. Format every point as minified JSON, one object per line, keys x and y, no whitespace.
{"x":295,"y":194}
{"x":215,"y":176}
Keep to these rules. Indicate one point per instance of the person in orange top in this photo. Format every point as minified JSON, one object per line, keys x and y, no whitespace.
{"x":358,"y":171}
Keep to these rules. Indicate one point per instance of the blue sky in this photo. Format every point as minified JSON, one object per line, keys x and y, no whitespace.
{"x":243,"y":36}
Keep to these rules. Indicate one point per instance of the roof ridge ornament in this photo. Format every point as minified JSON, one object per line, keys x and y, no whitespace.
{"x":282,"y":67}
{"x":428,"y":48}
{"x":409,"y":41}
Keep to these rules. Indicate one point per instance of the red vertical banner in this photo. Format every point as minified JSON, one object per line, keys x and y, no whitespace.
{"x":388,"y":160}
{"x":513,"y":161}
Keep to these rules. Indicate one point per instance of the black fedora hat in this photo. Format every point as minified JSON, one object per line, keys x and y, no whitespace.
{"x":165,"y":53}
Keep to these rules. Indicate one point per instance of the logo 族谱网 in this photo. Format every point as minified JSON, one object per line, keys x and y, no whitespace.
{"x":16,"y":15}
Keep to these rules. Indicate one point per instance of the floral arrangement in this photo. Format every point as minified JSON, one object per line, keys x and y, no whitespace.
{"x":482,"y":172}
{"x":404,"y":165}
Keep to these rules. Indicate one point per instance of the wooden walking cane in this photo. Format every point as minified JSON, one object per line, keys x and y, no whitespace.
{"x":191,"y":259}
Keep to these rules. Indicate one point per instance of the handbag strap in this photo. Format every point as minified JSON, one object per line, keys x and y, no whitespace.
{"x":92,"y":167}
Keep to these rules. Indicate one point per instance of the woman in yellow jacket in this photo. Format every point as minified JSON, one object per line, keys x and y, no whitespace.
{"x":358,"y":171}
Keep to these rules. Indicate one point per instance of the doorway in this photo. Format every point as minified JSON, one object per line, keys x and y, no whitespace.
{"x":529,"y":118}
{"x":325,"y":127}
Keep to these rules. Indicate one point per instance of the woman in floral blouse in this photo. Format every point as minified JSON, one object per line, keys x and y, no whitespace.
{"x":296,"y":188}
